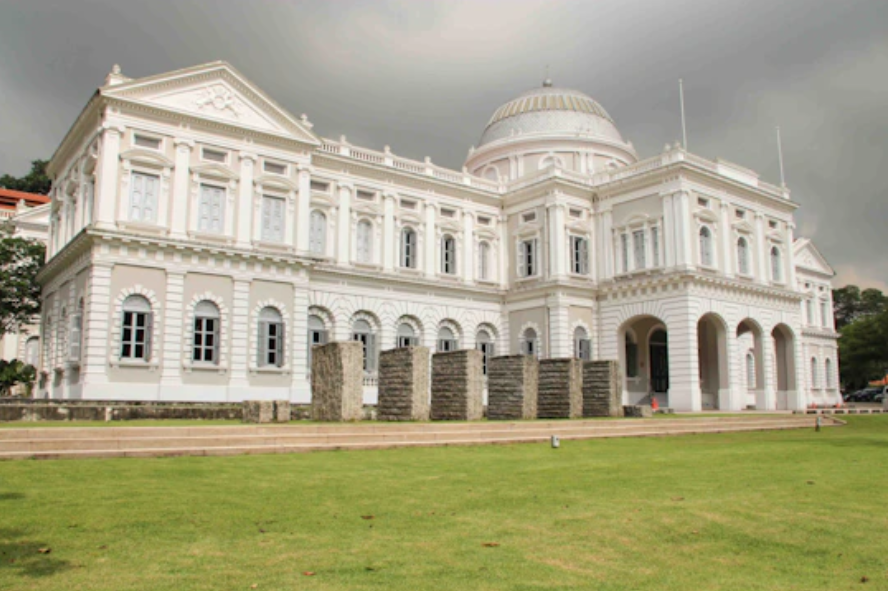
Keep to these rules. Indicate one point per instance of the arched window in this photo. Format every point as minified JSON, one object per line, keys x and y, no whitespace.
{"x":365,"y":242}
{"x":407,"y":336}
{"x":135,"y":329}
{"x":317,"y":234}
{"x":530,"y":343}
{"x":446,"y":340}
{"x":776,"y":271}
{"x":205,"y":348}
{"x":448,"y":255}
{"x":363,"y":333}
{"x":827,"y":366}
{"x":484,"y":343}
{"x":483,"y":260}
{"x":742,"y":256}
{"x":815,"y":383}
{"x":582,"y":344}
{"x":271,"y":341}
{"x":750,"y":370}
{"x":32,"y":351}
{"x":317,"y":334}
{"x":706,"y":247}
{"x":408,"y":248}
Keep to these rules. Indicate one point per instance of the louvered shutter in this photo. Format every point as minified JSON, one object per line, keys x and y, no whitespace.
{"x":137,"y":191}
{"x":371,"y":352}
{"x":584,"y":256}
{"x":282,"y":344}
{"x":262,"y":340}
{"x":521,"y":264}
{"x":149,"y":329}
{"x":149,"y":201}
{"x":75,"y":337}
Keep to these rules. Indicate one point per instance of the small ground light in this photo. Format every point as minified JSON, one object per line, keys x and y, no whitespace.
{"x":556,"y":442}
{"x":817,"y":423}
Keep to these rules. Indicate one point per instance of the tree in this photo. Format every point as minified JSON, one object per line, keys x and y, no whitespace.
{"x":850,"y":304}
{"x":20,"y":260}
{"x":13,"y":373}
{"x":35,"y":181}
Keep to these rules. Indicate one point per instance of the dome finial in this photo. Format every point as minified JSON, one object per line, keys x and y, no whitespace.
{"x":547,"y":83}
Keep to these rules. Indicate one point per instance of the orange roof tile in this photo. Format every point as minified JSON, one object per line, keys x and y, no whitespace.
{"x":9,"y":198}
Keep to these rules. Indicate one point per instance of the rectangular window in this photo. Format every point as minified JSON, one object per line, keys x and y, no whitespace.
{"x":529,"y":217}
{"x":135,"y":335}
{"x":366,"y":195}
{"x":407,"y":204}
{"x":447,"y":213}
{"x":487,"y":351}
{"x":624,"y":251}
{"x":320,"y":186}
{"x":584,"y":349}
{"x":143,"y":141}
{"x":576,"y":213}
{"x":483,"y":221}
{"x":527,"y":258}
{"x":271,"y":344}
{"x":274,"y":167}
{"x":703,"y":202}
{"x":211,"y":211}
{"x":143,"y":197}
{"x":214,"y":155}
{"x":273,"y":218}
{"x":205,"y":340}
{"x":655,"y":246}
{"x":404,"y":342}
{"x":75,"y":337}
{"x":639,"y":249}
{"x":579,"y":247}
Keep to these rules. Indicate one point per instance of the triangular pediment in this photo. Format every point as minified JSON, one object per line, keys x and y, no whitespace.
{"x":34,"y":215}
{"x":216,"y":92}
{"x":807,"y":257}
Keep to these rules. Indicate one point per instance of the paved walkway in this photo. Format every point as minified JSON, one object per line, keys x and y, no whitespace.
{"x":130,"y":442}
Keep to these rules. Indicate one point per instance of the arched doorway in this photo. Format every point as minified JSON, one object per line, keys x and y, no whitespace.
{"x":644,"y":359}
{"x":784,"y":369}
{"x":712,"y":356}
{"x":749,"y":336}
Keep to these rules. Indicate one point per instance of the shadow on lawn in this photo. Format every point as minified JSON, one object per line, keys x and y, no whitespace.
{"x":26,"y":557}
{"x":11,"y":496}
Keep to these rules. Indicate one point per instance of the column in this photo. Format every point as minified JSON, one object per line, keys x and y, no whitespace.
{"x":727,"y":242}
{"x":736,"y":363}
{"x":300,"y":387}
{"x":606,"y":245}
{"x":761,"y":255}
{"x":684,"y":364}
{"x":389,"y":241}
{"x":556,"y":241}
{"x":788,"y":258}
{"x":238,"y":381}
{"x":303,"y":209}
{"x":766,"y":397}
{"x":171,"y":344}
{"x":108,"y":175}
{"x":468,"y":270}
{"x":648,"y":247}
{"x":560,"y":339}
{"x":668,"y":233}
{"x":245,"y":200}
{"x":429,"y":266}
{"x":96,"y":328}
{"x":181,"y":197}
{"x":343,"y":225}
{"x":684,"y":235}
{"x":504,"y":247}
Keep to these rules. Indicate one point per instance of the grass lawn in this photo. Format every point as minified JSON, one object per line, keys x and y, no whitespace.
{"x":782,"y":510}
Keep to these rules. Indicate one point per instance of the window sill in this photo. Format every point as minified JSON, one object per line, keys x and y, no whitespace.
{"x":143,"y":227}
{"x":211,"y":237}
{"x":270,"y":370}
{"x":527,"y":278}
{"x":367,"y":266}
{"x":410,"y":271}
{"x":282,"y":246}
{"x":745,"y":276}
{"x":190,"y":367}
{"x":487,"y":282}
{"x":139,"y":363}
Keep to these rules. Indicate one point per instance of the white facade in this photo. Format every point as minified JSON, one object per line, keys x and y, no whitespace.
{"x":202,"y":238}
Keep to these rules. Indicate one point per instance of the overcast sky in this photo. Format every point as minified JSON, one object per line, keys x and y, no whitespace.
{"x":424,"y":77}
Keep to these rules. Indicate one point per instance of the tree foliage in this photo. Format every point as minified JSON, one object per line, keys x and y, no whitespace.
{"x":35,"y":181}
{"x":15,"y":372}
{"x":862,"y":321}
{"x":20,"y":260}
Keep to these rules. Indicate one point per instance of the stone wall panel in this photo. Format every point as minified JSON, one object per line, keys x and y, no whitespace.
{"x":457,"y":386}
{"x":337,"y":381}
{"x":512,"y":382}
{"x":404,"y":384}
{"x":560,"y":389}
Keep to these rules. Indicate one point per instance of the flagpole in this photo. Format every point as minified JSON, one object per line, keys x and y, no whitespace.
{"x":684,"y":131}
{"x":780,"y":158}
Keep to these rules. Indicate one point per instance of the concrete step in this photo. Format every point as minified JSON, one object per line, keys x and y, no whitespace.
{"x":245,"y":440}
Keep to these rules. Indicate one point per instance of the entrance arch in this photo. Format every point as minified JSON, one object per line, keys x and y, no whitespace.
{"x":784,"y":369}
{"x":644,"y":358}
{"x":749,"y":330}
{"x":712,"y":355}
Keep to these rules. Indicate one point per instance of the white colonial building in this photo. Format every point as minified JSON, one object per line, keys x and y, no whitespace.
{"x":203,"y":238}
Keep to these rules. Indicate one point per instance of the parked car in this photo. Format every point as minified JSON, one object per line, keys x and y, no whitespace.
{"x":869,"y":394}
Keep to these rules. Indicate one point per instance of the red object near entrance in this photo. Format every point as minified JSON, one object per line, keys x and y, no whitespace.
{"x":654,"y":404}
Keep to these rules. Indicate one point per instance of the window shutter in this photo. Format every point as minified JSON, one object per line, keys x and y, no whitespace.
{"x":282,"y":344}
{"x":535,"y":257}
{"x":519,"y":260}
{"x":149,"y":332}
{"x":75,"y":338}
{"x":584,"y":256}
{"x":149,"y":201}
{"x":261,"y":345}
{"x":217,"y":332}
{"x":371,"y":352}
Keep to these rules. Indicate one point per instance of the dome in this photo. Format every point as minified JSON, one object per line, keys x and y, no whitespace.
{"x":551,"y":110}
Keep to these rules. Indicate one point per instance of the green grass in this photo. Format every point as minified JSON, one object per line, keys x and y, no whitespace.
{"x":773,"y":510}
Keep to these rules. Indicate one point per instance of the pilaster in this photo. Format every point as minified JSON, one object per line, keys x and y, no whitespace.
{"x":172,"y":346}
{"x":727,"y":248}
{"x":245,"y":200}
{"x":108,"y":176}
{"x":389,"y":240}
{"x":240,"y":335}
{"x":300,"y":388}
{"x":303,"y":209}
{"x":560,"y":341}
{"x":468,"y":267}
{"x":429,"y":266}
{"x":684,"y":364}
{"x":181,"y":194}
{"x":761,"y":255}
{"x":343,"y":225}
{"x":96,"y":326}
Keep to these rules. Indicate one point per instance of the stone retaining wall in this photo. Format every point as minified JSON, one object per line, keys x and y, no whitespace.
{"x":512,"y":387}
{"x":560,"y":390}
{"x":638,"y":411}
{"x":602,"y":389}
{"x":337,"y":381}
{"x":457,"y":386}
{"x":404,"y":384}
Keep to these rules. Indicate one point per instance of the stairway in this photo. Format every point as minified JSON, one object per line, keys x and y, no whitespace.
{"x":132,"y":442}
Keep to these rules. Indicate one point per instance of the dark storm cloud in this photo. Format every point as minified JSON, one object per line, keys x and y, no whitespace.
{"x":424,"y":77}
